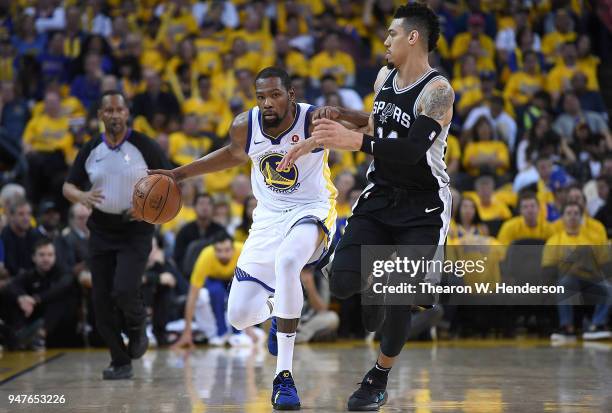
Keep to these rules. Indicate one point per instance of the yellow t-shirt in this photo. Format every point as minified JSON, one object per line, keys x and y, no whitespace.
{"x":297,"y":64}
{"x":461,"y":43}
{"x":591,"y":229}
{"x":220,"y":181}
{"x":368,"y":103}
{"x":498,"y":148}
{"x":463,"y":87}
{"x":453,"y":149}
{"x":177,"y":28}
{"x":575,"y":254}
{"x":340,"y":65}
{"x":516,"y":228}
{"x":251,"y":61}
{"x":214,"y":116}
{"x":184,"y":149}
{"x":552,"y":41}
{"x":208,"y":265}
{"x":495,"y":211}
{"x":558,"y":79}
{"x":46,"y":134}
{"x":522,"y":86}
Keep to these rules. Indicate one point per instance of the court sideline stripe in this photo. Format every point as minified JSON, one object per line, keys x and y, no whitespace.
{"x":29,"y":369}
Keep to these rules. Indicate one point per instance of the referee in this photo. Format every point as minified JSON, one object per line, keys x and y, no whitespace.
{"x":103,"y":177}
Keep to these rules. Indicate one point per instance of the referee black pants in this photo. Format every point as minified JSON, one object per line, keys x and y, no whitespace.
{"x":117,"y":262}
{"x":389,"y":217}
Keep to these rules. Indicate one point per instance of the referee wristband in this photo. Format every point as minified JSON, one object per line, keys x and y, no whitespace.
{"x":367,"y":145}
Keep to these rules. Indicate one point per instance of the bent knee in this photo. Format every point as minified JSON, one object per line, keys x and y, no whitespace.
{"x":344,"y":284}
{"x":239,"y":316}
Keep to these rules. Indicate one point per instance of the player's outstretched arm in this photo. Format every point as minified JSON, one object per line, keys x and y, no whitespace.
{"x":229,"y":156}
{"x":352,"y":119}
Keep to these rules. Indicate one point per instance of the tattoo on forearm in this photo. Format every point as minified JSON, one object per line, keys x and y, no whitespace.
{"x":438,"y":101}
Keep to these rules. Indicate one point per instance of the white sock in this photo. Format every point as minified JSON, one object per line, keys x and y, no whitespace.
{"x":284,"y":360}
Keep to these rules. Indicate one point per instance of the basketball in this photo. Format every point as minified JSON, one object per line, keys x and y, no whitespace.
{"x":156,"y":199}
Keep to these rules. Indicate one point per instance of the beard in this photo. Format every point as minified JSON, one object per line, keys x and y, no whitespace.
{"x":390,"y":65}
{"x":271,"y":123}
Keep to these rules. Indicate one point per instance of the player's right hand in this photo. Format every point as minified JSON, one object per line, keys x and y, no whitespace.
{"x":326,"y":112}
{"x":185,"y":341}
{"x":167,"y":172}
{"x":91,"y":198}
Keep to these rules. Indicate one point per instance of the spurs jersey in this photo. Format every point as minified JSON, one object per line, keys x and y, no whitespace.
{"x":394,"y":111}
{"x":307,"y":182}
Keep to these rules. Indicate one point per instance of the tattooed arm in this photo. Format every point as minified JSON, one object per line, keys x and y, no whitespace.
{"x":437,"y":102}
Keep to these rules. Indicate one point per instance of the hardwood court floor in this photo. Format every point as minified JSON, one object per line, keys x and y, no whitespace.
{"x":459,"y":376}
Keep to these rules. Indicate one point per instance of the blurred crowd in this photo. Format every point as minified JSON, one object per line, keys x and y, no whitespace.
{"x":530,"y":139}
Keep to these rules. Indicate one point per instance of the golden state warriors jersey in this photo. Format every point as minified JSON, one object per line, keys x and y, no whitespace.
{"x":308,"y":181}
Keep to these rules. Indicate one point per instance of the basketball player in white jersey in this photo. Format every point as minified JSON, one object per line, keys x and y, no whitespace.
{"x":408,"y":201}
{"x":292,"y":223}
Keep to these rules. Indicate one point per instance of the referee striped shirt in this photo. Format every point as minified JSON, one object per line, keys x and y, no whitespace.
{"x":115,"y":169}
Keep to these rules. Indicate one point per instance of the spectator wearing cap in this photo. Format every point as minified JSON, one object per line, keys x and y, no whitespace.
{"x":18,"y":236}
{"x":332,"y":61}
{"x":461,"y":42}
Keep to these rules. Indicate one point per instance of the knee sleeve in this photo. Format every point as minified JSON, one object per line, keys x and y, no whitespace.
{"x":289,"y":297}
{"x":344,"y":284}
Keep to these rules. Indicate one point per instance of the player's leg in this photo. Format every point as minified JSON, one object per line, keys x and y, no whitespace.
{"x":248,"y":303}
{"x":293,"y":254}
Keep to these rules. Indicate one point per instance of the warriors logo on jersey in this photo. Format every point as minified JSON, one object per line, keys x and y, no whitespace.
{"x":285,"y":180}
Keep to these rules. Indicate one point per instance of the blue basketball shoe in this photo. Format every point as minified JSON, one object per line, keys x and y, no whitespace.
{"x":284,"y":393}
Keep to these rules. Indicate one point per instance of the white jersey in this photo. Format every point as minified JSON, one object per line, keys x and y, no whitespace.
{"x":307,"y":182}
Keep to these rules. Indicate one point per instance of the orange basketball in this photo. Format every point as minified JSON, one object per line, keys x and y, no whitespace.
{"x":156,"y":199}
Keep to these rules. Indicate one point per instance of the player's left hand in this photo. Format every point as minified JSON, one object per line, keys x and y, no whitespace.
{"x":333,"y":135}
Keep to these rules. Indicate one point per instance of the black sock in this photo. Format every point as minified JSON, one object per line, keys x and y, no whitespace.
{"x":379,"y":375}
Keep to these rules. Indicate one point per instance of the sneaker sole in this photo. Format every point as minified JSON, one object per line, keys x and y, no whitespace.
{"x":121,"y":377}
{"x":602,"y":335}
{"x":286,"y":407}
{"x":372,"y":407}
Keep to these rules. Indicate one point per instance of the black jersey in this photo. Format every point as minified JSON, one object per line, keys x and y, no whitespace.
{"x":394,"y":111}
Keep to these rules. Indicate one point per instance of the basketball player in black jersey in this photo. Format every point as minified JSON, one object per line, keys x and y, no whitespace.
{"x":408,"y":199}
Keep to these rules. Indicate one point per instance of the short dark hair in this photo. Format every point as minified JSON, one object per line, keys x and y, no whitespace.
{"x":113,"y":92}
{"x":525,"y":195}
{"x":423,"y":19}
{"x":569,"y":204}
{"x":272,"y":71}
{"x":42,"y":242}
{"x":328,"y":77}
{"x":202,"y":195}
{"x":221,"y":236}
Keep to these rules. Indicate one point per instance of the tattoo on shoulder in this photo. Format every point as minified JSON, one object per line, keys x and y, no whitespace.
{"x":438,"y":101}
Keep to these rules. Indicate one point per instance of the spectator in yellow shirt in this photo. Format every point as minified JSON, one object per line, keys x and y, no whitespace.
{"x":559,"y":78}
{"x":522,"y":85}
{"x":213,"y":270}
{"x":334,"y":62}
{"x":258,"y":41}
{"x":468,"y":224}
{"x":591,"y":228}
{"x":214,"y":115}
{"x":461,"y":42}
{"x":245,"y":59}
{"x":467,"y":83}
{"x":563,"y":33}
{"x":580,"y":266}
{"x":187,"y":144}
{"x":483,"y":154}
{"x":48,"y":145}
{"x":244,"y":89}
{"x":291,"y":59}
{"x":529,"y":225}
{"x":488,"y":209}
